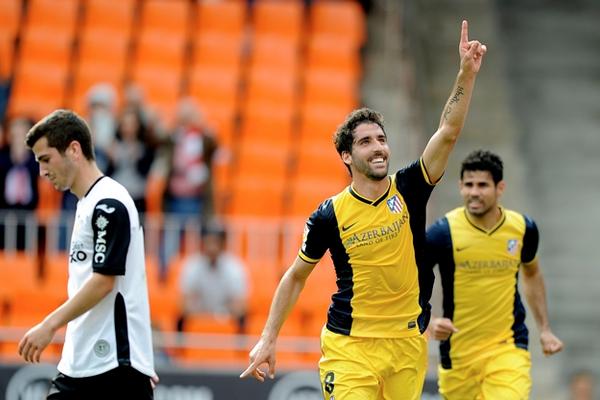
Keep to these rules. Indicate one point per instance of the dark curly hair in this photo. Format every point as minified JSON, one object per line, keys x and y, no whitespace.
{"x":483,"y":160}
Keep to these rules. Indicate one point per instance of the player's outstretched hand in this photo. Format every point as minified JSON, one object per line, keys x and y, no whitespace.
{"x":441,"y":328}
{"x":262,"y":353}
{"x":34,"y":342}
{"x":550,"y":343}
{"x":471,"y":51}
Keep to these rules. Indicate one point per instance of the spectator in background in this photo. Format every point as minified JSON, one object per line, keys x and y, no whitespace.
{"x":188,"y":192}
{"x":18,"y":178}
{"x":213,"y":281}
{"x":581,"y":385}
{"x":130,"y":156}
{"x":101,"y":117}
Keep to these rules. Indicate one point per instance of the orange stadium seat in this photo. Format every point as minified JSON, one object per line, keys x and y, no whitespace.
{"x":10,"y":17}
{"x":258,"y":197}
{"x":268,"y":84}
{"x":157,"y":50}
{"x":7,"y":49}
{"x":109,"y":16}
{"x":37,"y":90}
{"x":56,"y":273}
{"x":212,"y":84}
{"x":343,"y":19}
{"x":279,"y":18}
{"x":222,"y":17}
{"x":275,"y":53}
{"x":162,"y":89}
{"x":306,"y":194}
{"x":217,"y":51}
{"x":326,"y":52}
{"x":331,"y":87}
{"x":53,"y":15}
{"x":168,"y":17}
{"x":45,"y":47}
{"x":20,"y":269}
{"x":155,"y":189}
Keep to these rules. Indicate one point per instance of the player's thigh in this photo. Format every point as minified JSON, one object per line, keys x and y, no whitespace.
{"x":459,"y":383}
{"x":508,"y":376}
{"x":345,"y":370}
{"x":409,"y":368}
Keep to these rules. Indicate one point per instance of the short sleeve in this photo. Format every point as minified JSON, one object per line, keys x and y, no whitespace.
{"x":112,"y":234}
{"x":317,"y":235}
{"x":531,"y":240}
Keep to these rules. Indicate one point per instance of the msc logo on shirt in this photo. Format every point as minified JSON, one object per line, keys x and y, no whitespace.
{"x":100,"y":245}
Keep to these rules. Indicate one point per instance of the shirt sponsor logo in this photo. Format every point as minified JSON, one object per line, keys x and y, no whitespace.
{"x":394,"y":204}
{"x":100,"y":246}
{"x":376,"y":235}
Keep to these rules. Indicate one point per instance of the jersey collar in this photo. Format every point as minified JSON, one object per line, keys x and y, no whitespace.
{"x":493,"y":228}
{"x":369,"y":201}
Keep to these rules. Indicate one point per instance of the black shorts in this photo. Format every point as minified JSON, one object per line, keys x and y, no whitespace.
{"x":119,"y":383}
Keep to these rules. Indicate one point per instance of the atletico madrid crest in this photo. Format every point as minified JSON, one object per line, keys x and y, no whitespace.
{"x":394,"y":204}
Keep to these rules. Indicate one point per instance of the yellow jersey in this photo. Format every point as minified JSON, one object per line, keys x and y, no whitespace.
{"x":479,"y":272}
{"x":377,"y":248}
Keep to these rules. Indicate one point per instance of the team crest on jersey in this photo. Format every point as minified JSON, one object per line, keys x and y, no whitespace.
{"x":394,"y":204}
{"x":101,"y":222}
{"x":512,"y":246}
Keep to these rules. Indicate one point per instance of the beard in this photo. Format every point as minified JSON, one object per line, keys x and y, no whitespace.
{"x":364,"y":168}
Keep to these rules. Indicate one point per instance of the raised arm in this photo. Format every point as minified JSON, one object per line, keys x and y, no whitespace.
{"x":535,"y":292}
{"x":286,"y":296}
{"x":437,"y":151}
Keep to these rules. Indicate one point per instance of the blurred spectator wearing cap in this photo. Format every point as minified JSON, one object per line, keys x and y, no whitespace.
{"x":214,"y":281}
{"x":18,"y":176}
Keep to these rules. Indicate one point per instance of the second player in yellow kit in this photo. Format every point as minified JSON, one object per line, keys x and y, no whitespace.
{"x":480,"y":249}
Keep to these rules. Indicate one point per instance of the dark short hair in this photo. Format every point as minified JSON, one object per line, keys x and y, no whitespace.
{"x":344,"y":135}
{"x":60,"y":128}
{"x":483,"y":160}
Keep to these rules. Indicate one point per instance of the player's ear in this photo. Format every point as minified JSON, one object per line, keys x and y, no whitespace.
{"x":346,"y":157}
{"x":500,"y":186}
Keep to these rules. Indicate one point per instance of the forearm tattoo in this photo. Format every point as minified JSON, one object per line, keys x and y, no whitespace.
{"x":454,"y":99}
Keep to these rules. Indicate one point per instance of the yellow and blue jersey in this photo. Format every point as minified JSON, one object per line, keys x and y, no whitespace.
{"x":479,"y":272}
{"x":377,"y":247}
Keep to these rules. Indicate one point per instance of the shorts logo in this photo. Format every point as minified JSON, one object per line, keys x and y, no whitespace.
{"x":328,"y":383}
{"x":512,"y":246}
{"x":101,"y":348}
{"x":394,"y":204}
{"x":412,"y":324}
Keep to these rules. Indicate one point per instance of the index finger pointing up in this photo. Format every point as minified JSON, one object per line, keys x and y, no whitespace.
{"x":464,"y":33}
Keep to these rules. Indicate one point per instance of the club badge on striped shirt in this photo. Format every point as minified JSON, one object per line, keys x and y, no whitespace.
{"x":394,"y":204}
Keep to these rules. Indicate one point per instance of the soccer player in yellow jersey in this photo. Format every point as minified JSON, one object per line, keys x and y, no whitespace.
{"x":372,"y":344}
{"x":480,"y":249}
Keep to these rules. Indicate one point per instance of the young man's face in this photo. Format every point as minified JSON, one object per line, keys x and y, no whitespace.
{"x":479,"y":192}
{"x":58,"y":168}
{"x":370,"y":152}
